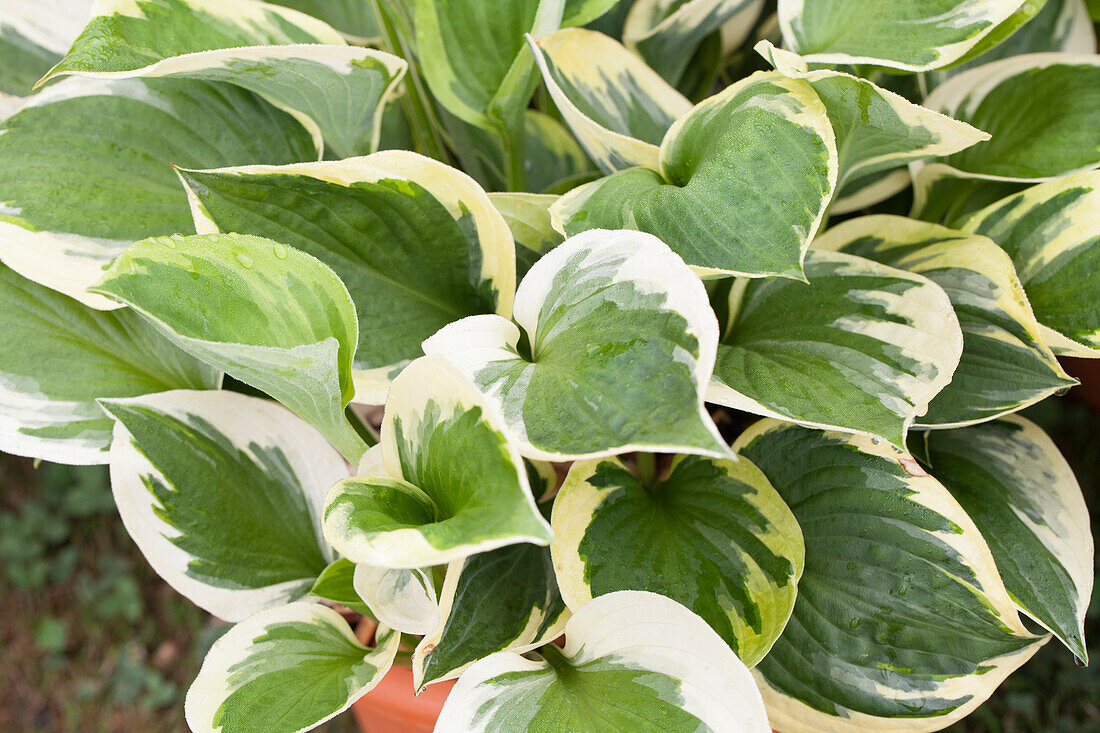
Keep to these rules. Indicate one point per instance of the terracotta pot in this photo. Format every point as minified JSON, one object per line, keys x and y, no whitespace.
{"x":391,"y":707}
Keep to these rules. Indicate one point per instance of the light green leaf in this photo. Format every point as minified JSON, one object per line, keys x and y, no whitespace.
{"x":583,"y":12}
{"x":454,"y":485}
{"x":876,"y":130}
{"x":895,"y":33}
{"x":58,"y":356}
{"x":85,"y":168}
{"x":223,"y":494}
{"x":502,"y":600}
{"x":901,"y":621}
{"x":1010,"y":478}
{"x":1005,"y":365}
{"x":472,"y":51}
{"x":713,"y":536}
{"x":528,"y":217}
{"x":417,"y":243}
{"x":402,"y":599}
{"x":1052,"y":233}
{"x":266,"y":314}
{"x":619,"y":108}
{"x":1059,"y":25}
{"x":718,"y":201}
{"x":862,"y":348}
{"x":619,"y":343}
{"x":632,"y":661}
{"x":666,"y":33}
{"x":1040,"y":110}
{"x":285,"y":670}
{"x":295,"y":62}
{"x":336,"y":584}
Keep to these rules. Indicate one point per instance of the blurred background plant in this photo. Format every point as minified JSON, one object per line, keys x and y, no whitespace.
{"x":91,"y":641}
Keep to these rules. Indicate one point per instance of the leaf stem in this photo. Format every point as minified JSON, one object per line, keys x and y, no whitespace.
{"x":645,"y":467}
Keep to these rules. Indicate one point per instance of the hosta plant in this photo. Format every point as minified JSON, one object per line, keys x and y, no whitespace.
{"x":700,"y":328}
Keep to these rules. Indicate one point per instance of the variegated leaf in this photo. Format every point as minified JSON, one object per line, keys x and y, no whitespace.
{"x":1040,"y":110}
{"x":402,"y":599}
{"x":895,"y":33}
{"x":619,"y":341}
{"x":717,"y":201}
{"x":1010,"y":478}
{"x":876,"y":130}
{"x":528,"y":218}
{"x":862,"y":348}
{"x":632,"y":661}
{"x":294,"y":61}
{"x":264,"y":313}
{"x":58,"y":356}
{"x":1005,"y":365}
{"x":223,"y":494}
{"x":34,"y":37}
{"x":453,"y":487}
{"x":1052,"y":233}
{"x":285,"y":670}
{"x":85,"y":168}
{"x":417,"y":243}
{"x":901,"y":620}
{"x":619,"y":108}
{"x":336,"y":584}
{"x":553,"y":159}
{"x":502,"y":600}
{"x":666,"y":33}
{"x":353,"y":18}
{"x":713,"y":536}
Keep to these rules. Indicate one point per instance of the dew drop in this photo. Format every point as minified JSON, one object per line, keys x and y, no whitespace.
{"x":280,"y":251}
{"x":245,"y":260}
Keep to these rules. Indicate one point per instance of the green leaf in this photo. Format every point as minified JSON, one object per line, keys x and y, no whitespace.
{"x":666,"y":33}
{"x":528,"y":218}
{"x":618,"y":341}
{"x":862,"y":348}
{"x":1040,"y":110}
{"x":58,"y":356}
{"x":583,"y":12}
{"x":1005,"y":365}
{"x":223,"y":494}
{"x":713,"y":536}
{"x":454,"y":485}
{"x":1010,"y":478}
{"x":34,"y":37}
{"x":336,"y":584}
{"x":285,"y":670}
{"x":402,"y":599}
{"x":353,"y":18}
{"x":1052,"y":233}
{"x":893,"y":33}
{"x":717,"y":201}
{"x":619,"y":108}
{"x":901,"y":621}
{"x":502,"y":600}
{"x":85,"y":168}
{"x":294,"y":61}
{"x":552,"y":158}
{"x":266,"y":314}
{"x":876,"y":130}
{"x":417,"y":243}
{"x":633,"y":661}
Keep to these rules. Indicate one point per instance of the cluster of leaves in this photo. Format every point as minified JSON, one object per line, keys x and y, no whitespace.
{"x":857,"y":560}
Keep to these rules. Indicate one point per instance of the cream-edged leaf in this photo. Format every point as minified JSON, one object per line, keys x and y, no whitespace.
{"x":716,"y":200}
{"x":34,"y":37}
{"x":402,"y":599}
{"x":862,"y":347}
{"x":264,"y":313}
{"x":901,"y":622}
{"x":1011,"y":479}
{"x":621,"y":342}
{"x":528,"y":218}
{"x":713,"y":535}
{"x":1052,"y":233}
{"x":418,"y":244}
{"x":223,"y":495}
{"x":86,"y":168}
{"x":454,"y":486}
{"x":285,"y":670}
{"x":57,"y":357}
{"x":632,"y":661}
{"x":619,"y":108}
{"x":502,"y":600}
{"x":1005,"y":365}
